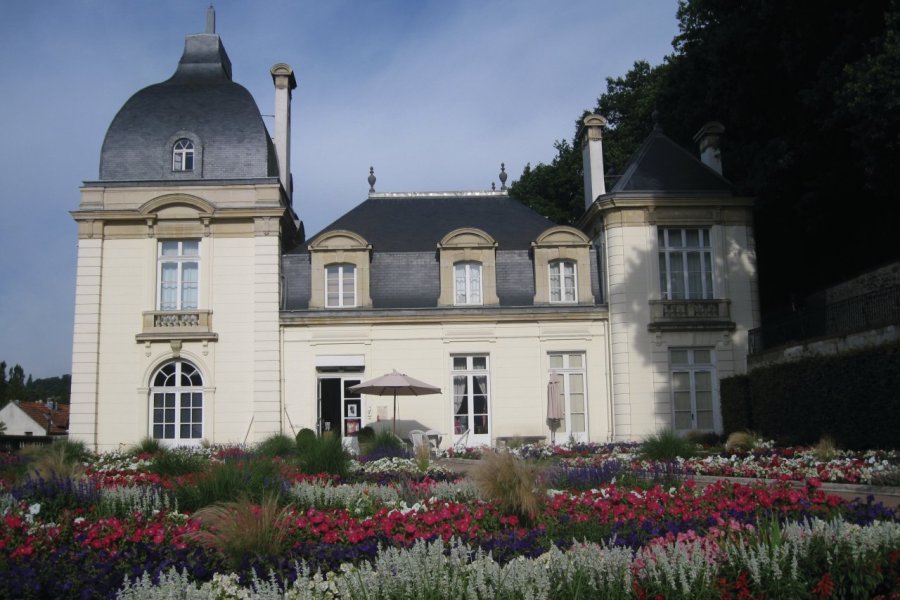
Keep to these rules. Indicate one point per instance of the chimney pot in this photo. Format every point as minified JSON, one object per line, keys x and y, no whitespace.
{"x":591,"y":135}
{"x":709,"y":139}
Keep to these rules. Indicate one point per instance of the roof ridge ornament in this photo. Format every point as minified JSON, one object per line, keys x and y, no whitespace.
{"x":371,"y":180}
{"x":503,"y":176}
{"x":211,"y":19}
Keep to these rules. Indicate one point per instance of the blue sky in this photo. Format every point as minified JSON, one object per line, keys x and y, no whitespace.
{"x":433,"y":94}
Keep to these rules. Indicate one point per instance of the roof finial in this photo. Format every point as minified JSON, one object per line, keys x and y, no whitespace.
{"x":371,"y":179}
{"x":503,"y":176}
{"x":210,"y":19}
{"x":493,"y":187}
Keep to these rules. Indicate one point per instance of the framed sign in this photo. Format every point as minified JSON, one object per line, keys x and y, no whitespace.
{"x":352,"y":411}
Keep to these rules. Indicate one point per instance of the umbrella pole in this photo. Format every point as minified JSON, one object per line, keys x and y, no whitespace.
{"x":395,"y":413}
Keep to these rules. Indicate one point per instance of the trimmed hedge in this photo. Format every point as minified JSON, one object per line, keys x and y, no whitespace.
{"x":854,"y":397}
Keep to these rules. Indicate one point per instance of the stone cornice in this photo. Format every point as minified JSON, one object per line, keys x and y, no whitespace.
{"x":622,"y":201}
{"x":438,"y":315}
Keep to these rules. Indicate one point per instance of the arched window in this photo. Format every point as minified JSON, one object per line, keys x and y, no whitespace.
{"x":176,"y":397}
{"x":467,"y":283}
{"x":183,"y":155}
{"x":563,"y":284}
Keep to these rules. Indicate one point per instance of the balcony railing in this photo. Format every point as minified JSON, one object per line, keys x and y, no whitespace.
{"x":690,"y":314}
{"x":853,"y":315}
{"x":177,"y":325}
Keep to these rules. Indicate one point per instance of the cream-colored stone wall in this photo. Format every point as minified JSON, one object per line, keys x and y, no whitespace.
{"x":642,"y":401}
{"x":518,"y":369}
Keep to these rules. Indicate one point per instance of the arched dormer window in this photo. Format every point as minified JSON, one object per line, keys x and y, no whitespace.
{"x":468,"y":268}
{"x":340,"y":270}
{"x":183,"y":155}
{"x":176,"y":400}
{"x":562,"y":267}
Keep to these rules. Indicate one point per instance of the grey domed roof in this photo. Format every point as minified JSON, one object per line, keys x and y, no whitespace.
{"x":201,"y":103}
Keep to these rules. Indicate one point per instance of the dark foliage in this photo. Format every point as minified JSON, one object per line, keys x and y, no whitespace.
{"x":851,"y":397}
{"x":736,"y":413}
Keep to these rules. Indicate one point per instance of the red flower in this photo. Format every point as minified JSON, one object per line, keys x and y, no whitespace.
{"x":825,"y":587}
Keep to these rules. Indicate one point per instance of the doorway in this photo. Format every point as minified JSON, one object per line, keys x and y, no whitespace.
{"x":340,"y":409}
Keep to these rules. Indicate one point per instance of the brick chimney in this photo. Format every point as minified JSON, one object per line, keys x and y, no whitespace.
{"x":710,"y":138}
{"x":591,"y":135}
{"x":283,"y":77}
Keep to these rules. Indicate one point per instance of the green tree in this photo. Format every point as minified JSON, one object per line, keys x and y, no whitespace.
{"x":3,"y":385}
{"x":15,"y":388}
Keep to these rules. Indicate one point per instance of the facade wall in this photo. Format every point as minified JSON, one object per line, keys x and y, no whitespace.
{"x":19,"y":423}
{"x":518,"y":355}
{"x":639,"y":364}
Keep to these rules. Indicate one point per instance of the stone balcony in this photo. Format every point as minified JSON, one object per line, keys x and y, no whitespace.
{"x":680,"y":315}
{"x":177,"y":325}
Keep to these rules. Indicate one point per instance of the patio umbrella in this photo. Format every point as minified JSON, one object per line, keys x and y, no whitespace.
{"x":398,"y":384}
{"x":554,"y":405}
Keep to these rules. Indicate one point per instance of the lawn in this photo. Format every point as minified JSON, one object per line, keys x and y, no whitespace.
{"x":300,"y":519}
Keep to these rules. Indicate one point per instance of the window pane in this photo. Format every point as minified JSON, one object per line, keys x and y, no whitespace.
{"x":681,"y":382}
{"x":168,"y":286}
{"x":675,"y":238}
{"x":704,"y":419}
{"x":704,"y":236}
{"x":702,"y":357}
{"x":190,"y":247}
{"x":169,"y":415}
{"x":578,"y":423}
{"x":188,"y":161}
{"x":459,"y":363}
{"x":693,"y":238}
{"x":479,"y":384}
{"x":460,"y":424}
{"x":481,"y":424}
{"x":460,"y":283}
{"x":185,"y":415}
{"x":481,"y":405}
{"x":556,"y":361}
{"x":569,"y":281}
{"x":661,"y":237}
{"x":169,"y":432}
{"x":576,"y":383}
{"x":704,"y":400}
{"x":555,"y":289}
{"x":197,"y":415}
{"x":185,"y":432}
{"x":703,"y":380}
{"x":349,"y":286}
{"x":679,"y":357}
{"x":196,"y":431}
{"x":682,"y":401}
{"x":663,"y":277}
{"x":157,"y":415}
{"x":169,"y":248}
{"x":577,"y":401}
{"x":683,"y":421}
{"x":695,"y":282}
{"x":676,"y":262}
{"x":576,"y":361}
{"x":170,"y":401}
{"x":475,"y":284}
{"x":479,"y":362}
{"x":707,"y":275}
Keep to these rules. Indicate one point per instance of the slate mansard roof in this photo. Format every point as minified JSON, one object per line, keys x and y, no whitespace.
{"x":199,"y":102}
{"x":660,"y":166}
{"x":404,"y":231}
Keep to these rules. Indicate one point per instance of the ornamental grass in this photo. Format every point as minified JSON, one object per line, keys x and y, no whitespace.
{"x":242,"y":528}
{"x":510,"y":482}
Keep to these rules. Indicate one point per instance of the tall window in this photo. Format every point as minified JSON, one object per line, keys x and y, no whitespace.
{"x":340,"y":285}
{"x":179,"y":274}
{"x":563,"y":286}
{"x":685,"y":264}
{"x":471,"y":398}
{"x":569,"y":372}
{"x":183,"y":155}
{"x":693,"y":376}
{"x":467,"y":282}
{"x":177,"y":401}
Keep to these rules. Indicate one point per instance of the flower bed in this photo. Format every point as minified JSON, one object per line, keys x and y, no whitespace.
{"x":66,"y":538}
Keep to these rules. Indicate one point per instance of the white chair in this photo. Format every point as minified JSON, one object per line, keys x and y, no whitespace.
{"x":417,"y":437}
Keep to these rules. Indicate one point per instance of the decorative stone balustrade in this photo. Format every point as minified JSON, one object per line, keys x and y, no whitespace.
{"x":177,"y":325}
{"x":690,"y":314}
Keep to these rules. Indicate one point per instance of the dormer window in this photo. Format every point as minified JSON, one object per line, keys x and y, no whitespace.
{"x":183,"y":155}
{"x":563,"y":284}
{"x":467,"y":278}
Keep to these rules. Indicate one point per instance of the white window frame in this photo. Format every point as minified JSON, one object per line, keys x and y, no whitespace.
{"x":184,"y":382}
{"x":180,"y":260}
{"x":182,"y":153}
{"x":566,"y":294}
{"x":339,"y":269}
{"x":692,"y":368}
{"x":469,"y":371}
{"x":472,"y":292}
{"x":673,"y":243}
{"x":566,"y":373}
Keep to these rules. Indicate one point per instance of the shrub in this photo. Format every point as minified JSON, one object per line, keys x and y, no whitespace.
{"x":305,"y":437}
{"x":325,"y":455}
{"x":666,"y":445}
{"x":239,"y":528}
{"x":423,"y":456}
{"x":385,"y":445}
{"x":277,"y":445}
{"x":509,"y":481}
{"x":172,"y":463}
{"x":254,"y":479}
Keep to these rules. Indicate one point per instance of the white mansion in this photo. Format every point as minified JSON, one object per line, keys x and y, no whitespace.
{"x":203,"y":312}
